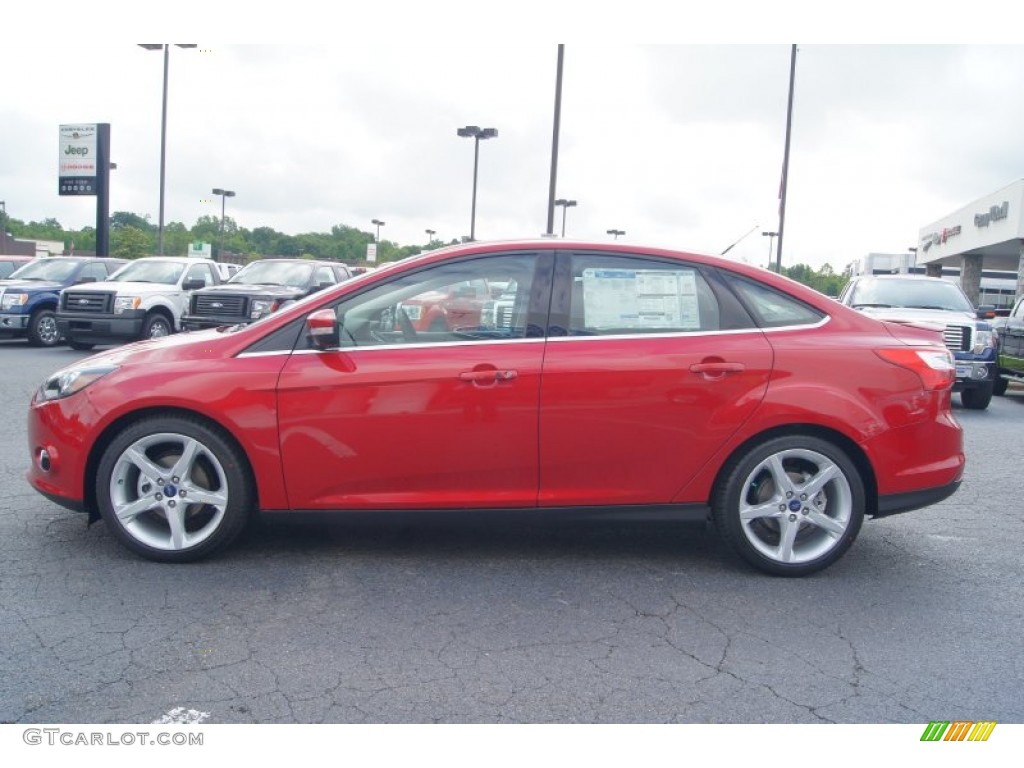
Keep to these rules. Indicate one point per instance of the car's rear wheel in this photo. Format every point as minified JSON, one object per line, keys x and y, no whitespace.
{"x":790,"y":506}
{"x":977,"y":398}
{"x":174,"y":489}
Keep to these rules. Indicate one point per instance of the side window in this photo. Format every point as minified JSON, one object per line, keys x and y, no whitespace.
{"x":93,"y":272}
{"x":625,"y":295}
{"x":199,"y":272}
{"x":418,"y":308}
{"x":774,"y":309}
{"x":323,"y":275}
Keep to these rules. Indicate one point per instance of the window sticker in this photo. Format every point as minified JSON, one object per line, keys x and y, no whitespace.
{"x":641,"y":298}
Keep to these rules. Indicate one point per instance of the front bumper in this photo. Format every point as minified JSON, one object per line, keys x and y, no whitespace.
{"x":205,"y":322}
{"x":100,"y":328}
{"x":973,"y":373}
{"x":11,"y":323}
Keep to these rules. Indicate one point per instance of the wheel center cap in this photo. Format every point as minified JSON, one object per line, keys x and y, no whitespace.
{"x":170,"y":490}
{"x":794,"y":506}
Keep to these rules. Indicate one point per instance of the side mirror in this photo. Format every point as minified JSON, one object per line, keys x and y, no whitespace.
{"x":986,"y":311}
{"x":322,"y":286}
{"x":322,"y":327}
{"x":192,"y":285}
{"x":81,"y":280}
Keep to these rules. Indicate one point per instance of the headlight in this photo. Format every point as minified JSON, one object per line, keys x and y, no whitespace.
{"x":261,"y":307}
{"x":126,"y":304}
{"x":68,"y":382}
{"x":13,"y":300}
{"x":983,"y":340}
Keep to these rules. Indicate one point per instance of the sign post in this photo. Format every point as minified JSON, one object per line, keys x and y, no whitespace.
{"x":84,"y":162}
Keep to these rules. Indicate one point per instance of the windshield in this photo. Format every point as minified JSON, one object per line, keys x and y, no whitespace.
{"x":57,"y":270}
{"x":915,"y":294}
{"x":274,"y":273}
{"x":166,"y":272}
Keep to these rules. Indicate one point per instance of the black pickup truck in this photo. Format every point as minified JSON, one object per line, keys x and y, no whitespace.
{"x":259,"y":289}
{"x":1010,"y":347}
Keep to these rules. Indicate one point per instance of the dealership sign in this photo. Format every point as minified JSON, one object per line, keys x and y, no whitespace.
{"x":936,"y":238}
{"x":995,"y":213}
{"x":78,"y":159}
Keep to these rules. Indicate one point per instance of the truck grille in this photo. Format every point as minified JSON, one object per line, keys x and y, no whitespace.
{"x":210,"y":305}
{"x":957,"y":337}
{"x":92,"y":302}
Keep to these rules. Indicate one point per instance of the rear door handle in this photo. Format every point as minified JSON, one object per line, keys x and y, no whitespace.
{"x":717,"y":370}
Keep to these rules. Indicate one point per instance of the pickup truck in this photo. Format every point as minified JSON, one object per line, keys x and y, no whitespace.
{"x":916,"y":299}
{"x":1010,"y":345}
{"x":259,"y":289}
{"x":142,"y":300}
{"x":28,"y":299}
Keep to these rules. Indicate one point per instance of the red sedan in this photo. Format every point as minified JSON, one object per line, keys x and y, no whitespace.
{"x":615,"y":379}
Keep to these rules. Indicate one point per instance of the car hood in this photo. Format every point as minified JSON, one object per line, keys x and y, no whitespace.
{"x":940,"y":317}
{"x":30,"y":285}
{"x":126,"y":287}
{"x":251,"y":289}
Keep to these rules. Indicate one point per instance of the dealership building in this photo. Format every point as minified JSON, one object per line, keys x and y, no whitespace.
{"x":984,"y":243}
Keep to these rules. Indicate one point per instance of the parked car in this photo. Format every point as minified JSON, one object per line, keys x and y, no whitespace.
{"x":932,"y":300}
{"x":9,"y":264}
{"x":628,"y":381}
{"x":259,"y":289}
{"x":226,"y":270}
{"x":28,"y":299}
{"x":144,"y":299}
{"x":1009,"y":332}
{"x":448,"y":308}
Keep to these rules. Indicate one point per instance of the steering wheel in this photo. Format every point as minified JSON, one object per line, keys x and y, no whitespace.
{"x":405,"y":325}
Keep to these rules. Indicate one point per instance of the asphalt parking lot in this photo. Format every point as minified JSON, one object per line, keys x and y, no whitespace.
{"x":386,"y":622}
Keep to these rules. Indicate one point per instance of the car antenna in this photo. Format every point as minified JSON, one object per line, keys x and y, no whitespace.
{"x":739,"y":241}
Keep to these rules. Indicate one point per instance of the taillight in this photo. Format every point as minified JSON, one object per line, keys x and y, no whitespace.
{"x":934,"y":366}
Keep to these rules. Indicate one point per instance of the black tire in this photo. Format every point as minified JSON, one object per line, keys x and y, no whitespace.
{"x":156,"y":325}
{"x":42,"y":329}
{"x":999,"y":386}
{"x":977,"y":398}
{"x":821,"y":526}
{"x":139,"y":508}
{"x":81,"y":346}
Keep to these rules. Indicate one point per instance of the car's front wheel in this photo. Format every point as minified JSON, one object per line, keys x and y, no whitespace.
{"x":999,"y":386}
{"x":791,"y":505}
{"x":155,"y":326}
{"x":173,"y":488}
{"x":977,"y":398}
{"x":42,"y":329}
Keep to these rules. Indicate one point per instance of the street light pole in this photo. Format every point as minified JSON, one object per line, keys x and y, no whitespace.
{"x":3,"y":227}
{"x":477,"y":133}
{"x":224,"y":195}
{"x":379,"y":224}
{"x":566,"y":204}
{"x":430,"y":235}
{"x":616,"y":232}
{"x":163,"y":127}
{"x":771,"y":240}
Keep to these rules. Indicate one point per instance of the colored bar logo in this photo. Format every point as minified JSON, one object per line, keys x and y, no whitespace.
{"x":958,"y":730}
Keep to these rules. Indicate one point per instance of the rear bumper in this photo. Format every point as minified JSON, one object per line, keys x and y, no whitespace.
{"x":897,"y":503}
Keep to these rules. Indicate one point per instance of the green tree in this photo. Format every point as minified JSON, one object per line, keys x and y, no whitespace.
{"x":129,"y":243}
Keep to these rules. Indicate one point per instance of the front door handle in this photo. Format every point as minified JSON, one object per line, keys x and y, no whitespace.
{"x":487,"y":377}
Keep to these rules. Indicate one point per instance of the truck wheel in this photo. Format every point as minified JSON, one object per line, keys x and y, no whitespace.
{"x":978,"y":398}
{"x":81,"y":346}
{"x":42,"y":329}
{"x":999,"y":386}
{"x":155,"y":326}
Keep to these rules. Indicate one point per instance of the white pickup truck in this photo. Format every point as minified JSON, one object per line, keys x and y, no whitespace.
{"x":144,"y":299}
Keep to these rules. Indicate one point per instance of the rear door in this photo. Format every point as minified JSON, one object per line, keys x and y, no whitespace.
{"x":651,"y":366}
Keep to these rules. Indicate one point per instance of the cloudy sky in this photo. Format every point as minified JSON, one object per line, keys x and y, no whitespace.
{"x":679,"y":141}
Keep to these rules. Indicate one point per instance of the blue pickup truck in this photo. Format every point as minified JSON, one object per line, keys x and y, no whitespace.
{"x":28,"y":298}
